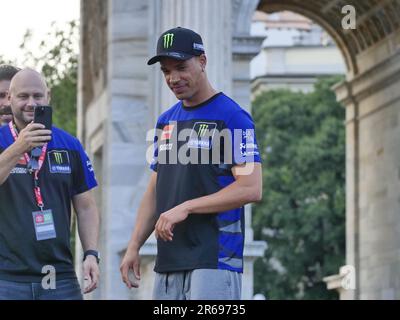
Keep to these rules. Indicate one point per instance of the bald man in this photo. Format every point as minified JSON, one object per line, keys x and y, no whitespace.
{"x":36,"y":192}
{"x":7,"y":72}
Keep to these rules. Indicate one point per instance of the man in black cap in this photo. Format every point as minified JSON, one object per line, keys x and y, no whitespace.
{"x":195,"y":207}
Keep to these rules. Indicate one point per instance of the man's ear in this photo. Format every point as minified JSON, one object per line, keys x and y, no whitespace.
{"x":48,"y":96}
{"x":203,"y":61}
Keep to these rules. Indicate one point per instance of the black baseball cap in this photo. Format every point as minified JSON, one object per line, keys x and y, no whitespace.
{"x":178,"y":43}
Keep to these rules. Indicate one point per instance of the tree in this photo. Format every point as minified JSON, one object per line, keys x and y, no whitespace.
{"x":302,"y":214}
{"x":4,"y":60}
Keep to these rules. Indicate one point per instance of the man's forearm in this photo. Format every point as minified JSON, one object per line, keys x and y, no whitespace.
{"x":88,"y":227}
{"x":231,"y":197}
{"x":145,"y":222}
{"x":8,"y":160}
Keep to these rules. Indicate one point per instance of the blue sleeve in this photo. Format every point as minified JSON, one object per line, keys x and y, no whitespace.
{"x":84,"y":177}
{"x":154,"y":162}
{"x":244,"y":142}
{"x":6,"y":138}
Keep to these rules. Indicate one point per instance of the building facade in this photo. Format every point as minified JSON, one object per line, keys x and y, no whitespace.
{"x":295,"y":52}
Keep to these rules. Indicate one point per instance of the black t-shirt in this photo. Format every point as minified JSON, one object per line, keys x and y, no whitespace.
{"x":66,"y":172}
{"x":195,"y":150}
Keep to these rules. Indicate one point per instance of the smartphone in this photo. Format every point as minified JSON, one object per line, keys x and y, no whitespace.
{"x":43,"y":115}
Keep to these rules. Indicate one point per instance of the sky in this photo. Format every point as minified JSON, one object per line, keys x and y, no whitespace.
{"x":19,"y":15}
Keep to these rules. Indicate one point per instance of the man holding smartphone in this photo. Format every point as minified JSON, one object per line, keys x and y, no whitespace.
{"x":36,"y":191}
{"x":6,"y":74}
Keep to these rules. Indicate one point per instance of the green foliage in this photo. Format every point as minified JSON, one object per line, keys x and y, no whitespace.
{"x":5,"y":60}
{"x":302,"y":214}
{"x":58,"y":62}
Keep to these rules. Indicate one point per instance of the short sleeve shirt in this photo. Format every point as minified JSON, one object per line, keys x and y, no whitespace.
{"x":66,"y":172}
{"x":195,"y":150}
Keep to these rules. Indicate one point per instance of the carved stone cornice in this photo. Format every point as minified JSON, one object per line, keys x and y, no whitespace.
{"x":369,"y":82}
{"x":246,"y":47}
{"x":242,"y":12}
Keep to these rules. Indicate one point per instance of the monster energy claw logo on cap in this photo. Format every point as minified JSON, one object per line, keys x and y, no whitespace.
{"x":178,"y":43}
{"x":168,"y":40}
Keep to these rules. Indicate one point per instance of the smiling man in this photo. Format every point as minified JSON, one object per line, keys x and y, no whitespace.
{"x":7,"y":72}
{"x":196,"y":208}
{"x":36,"y":192}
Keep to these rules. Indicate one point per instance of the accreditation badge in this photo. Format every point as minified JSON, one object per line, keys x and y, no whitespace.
{"x":44,"y":225}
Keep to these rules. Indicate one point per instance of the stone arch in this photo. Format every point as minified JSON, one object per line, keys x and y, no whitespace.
{"x":376,"y":21}
{"x":308,"y":11}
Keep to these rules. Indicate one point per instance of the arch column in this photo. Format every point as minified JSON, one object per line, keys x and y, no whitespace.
{"x":244,"y":48}
{"x":372,"y":101}
{"x":113,"y":104}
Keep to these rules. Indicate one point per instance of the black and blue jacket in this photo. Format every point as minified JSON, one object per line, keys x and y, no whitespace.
{"x":66,"y":172}
{"x":195,"y":150}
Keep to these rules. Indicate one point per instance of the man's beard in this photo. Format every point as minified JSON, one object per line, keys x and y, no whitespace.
{"x":5,"y":115}
{"x":22,"y":117}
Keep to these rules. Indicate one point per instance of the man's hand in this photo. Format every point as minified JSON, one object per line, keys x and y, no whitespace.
{"x":167,"y":221}
{"x":32,"y":136}
{"x":130,"y":269}
{"x":91,"y":274}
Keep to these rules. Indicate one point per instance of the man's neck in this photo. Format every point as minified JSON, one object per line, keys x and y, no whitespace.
{"x":202,"y":95}
{"x":19,"y":125}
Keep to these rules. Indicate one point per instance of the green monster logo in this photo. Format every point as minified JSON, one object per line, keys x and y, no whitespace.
{"x":58,"y":157}
{"x":168,"y":40}
{"x":203,"y":129}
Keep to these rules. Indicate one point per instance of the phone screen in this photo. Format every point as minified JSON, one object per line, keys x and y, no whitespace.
{"x":43,"y":115}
